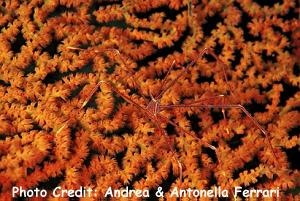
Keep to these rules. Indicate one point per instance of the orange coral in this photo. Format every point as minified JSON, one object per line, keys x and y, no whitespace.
{"x":58,"y":129}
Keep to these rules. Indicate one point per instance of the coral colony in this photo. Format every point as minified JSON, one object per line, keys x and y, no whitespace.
{"x":149,"y":100}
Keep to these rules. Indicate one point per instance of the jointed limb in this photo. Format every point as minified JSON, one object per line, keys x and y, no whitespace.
{"x":201,"y":54}
{"x":183,"y":131}
{"x":170,"y":147}
{"x":228,"y":106}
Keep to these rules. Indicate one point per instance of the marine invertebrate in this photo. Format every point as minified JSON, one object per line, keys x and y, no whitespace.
{"x":44,"y":86}
{"x":154,"y":107}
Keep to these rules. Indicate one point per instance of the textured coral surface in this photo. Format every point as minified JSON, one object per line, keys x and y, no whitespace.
{"x":65,"y":65}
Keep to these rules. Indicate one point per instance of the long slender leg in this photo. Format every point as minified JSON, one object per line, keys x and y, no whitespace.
{"x":155,"y":121}
{"x":87,"y":99}
{"x":129,"y":73}
{"x":164,"y":81}
{"x":93,"y":91}
{"x":171,"y":148}
{"x":181,"y":74}
{"x":124,"y":96}
{"x":184,"y":131}
{"x":190,"y":12}
{"x":223,"y":65}
{"x":117,"y":52}
{"x":224,"y":114}
{"x":201,"y":54}
{"x":238,"y":106}
{"x":201,"y":100}
{"x":220,"y":106}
